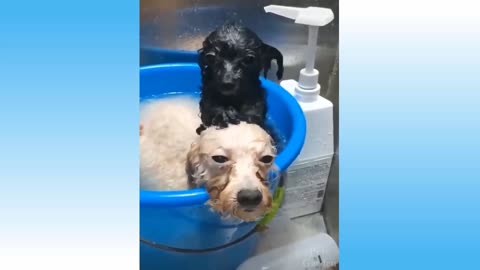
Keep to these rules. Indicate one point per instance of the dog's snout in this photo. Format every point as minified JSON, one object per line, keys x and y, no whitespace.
{"x":228,"y":78}
{"x":228,"y":81}
{"x":228,"y":86}
{"x":249,"y":197}
{"x":229,"y":75}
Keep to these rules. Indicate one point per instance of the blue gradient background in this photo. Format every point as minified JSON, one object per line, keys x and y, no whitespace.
{"x":69,"y":143}
{"x":409,"y":135}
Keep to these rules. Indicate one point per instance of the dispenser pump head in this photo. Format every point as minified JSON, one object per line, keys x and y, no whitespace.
{"x":314,"y":17}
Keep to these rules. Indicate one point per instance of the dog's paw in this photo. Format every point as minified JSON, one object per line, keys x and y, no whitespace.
{"x":232,"y":116}
{"x":200,"y":129}
{"x":227,"y":116}
{"x":234,"y":121}
{"x":254,"y":119}
{"x":220,"y":122}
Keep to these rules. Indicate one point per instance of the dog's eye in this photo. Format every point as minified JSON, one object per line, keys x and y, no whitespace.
{"x":250,"y":59}
{"x":220,"y":159}
{"x":210,"y":57}
{"x":266,"y":159}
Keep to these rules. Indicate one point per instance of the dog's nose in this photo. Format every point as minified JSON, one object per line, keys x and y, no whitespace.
{"x":228,"y":77}
{"x":249,"y":197}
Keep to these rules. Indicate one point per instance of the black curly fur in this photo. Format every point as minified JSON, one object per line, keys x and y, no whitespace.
{"x":231,"y":60}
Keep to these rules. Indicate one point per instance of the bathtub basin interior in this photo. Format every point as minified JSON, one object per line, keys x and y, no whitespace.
{"x":195,"y":225}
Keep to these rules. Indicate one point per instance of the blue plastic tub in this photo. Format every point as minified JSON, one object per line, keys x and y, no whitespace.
{"x":177,"y":223}
{"x":227,"y":257}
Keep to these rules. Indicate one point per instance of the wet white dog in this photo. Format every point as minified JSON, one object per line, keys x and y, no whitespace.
{"x":231,"y":163}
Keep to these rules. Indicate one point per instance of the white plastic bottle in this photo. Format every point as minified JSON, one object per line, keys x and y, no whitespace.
{"x":318,"y":252}
{"x":306,"y":179}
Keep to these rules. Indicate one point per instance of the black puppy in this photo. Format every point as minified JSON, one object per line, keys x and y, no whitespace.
{"x":231,"y":60}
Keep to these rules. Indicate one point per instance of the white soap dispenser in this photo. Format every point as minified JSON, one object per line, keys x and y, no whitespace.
{"x":307,"y":177}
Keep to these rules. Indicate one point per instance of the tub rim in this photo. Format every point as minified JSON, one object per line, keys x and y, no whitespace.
{"x":197,"y":196}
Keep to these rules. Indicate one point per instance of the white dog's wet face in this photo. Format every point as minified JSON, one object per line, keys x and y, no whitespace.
{"x":233,"y":164}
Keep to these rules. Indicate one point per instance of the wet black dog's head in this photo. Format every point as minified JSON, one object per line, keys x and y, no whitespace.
{"x":232,"y":58}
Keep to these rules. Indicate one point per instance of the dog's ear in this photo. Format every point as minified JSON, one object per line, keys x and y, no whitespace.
{"x":202,"y":56}
{"x":200,"y":52}
{"x":268,"y":54}
{"x":194,"y":168}
{"x":201,"y":59}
